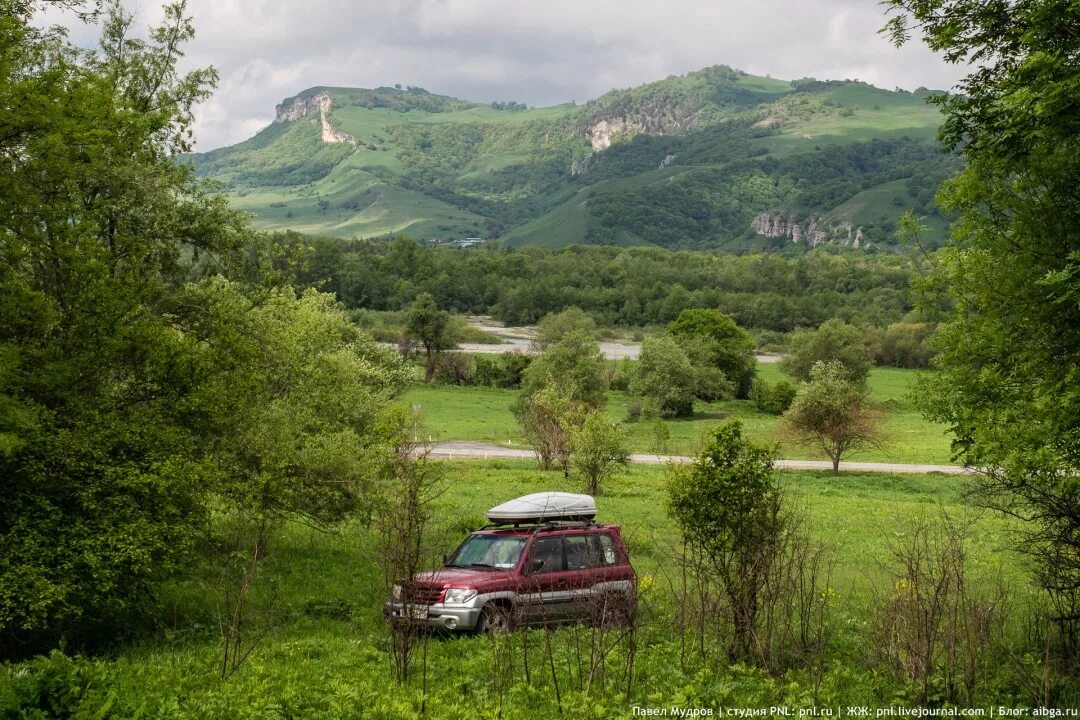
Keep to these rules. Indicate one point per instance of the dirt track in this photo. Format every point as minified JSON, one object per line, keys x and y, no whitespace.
{"x":473,"y":450}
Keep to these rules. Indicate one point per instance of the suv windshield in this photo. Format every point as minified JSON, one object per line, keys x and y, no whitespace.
{"x":493,"y":551}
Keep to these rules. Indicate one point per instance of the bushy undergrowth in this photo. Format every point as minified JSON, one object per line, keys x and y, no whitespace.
{"x":326,"y":653}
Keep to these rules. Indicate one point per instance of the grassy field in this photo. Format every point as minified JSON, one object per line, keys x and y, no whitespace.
{"x":325,"y":655}
{"x":476,"y":413}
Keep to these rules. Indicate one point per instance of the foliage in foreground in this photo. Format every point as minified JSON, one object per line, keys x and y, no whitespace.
{"x":1008,"y":379}
{"x":328,"y":655}
{"x":154,"y":365}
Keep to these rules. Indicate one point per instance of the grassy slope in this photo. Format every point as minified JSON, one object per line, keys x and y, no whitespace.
{"x":879,"y":114}
{"x":327,"y":657}
{"x":385,"y":208}
{"x":456,"y":413}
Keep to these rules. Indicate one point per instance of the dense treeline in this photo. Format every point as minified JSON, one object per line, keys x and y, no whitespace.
{"x":156,"y":372}
{"x":617,"y":286}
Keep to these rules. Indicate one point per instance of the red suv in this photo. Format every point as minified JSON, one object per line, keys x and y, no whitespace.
{"x":499,"y":577}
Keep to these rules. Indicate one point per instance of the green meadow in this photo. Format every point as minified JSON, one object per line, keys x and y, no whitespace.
{"x":479,"y":413}
{"x":323,"y":651}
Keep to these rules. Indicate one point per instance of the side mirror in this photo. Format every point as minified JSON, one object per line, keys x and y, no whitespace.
{"x":535,"y":566}
{"x":445,"y":559}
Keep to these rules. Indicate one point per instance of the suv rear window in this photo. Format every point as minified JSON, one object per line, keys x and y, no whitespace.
{"x":581,"y":552}
{"x":607,"y":549}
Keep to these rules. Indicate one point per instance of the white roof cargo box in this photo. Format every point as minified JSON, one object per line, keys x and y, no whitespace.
{"x":543,"y":507}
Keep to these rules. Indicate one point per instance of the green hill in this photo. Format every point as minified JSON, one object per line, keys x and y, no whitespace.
{"x":716,"y":158}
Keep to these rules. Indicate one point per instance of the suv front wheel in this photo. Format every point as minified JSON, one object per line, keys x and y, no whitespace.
{"x":495,"y":618}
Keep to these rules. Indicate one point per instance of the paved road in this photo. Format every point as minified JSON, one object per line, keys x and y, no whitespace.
{"x":468,"y":449}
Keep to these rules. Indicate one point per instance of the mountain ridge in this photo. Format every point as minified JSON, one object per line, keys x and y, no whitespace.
{"x":692,"y":161}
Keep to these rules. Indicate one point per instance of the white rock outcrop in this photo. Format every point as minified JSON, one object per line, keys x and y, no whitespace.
{"x":320,"y":104}
{"x":659,"y":118}
{"x":812,"y":231}
{"x":602,"y":133}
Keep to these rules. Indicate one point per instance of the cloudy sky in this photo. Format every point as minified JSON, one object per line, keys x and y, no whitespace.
{"x":539,"y":52}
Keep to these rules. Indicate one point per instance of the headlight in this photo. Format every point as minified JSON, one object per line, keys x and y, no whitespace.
{"x":396,"y":592}
{"x":457,"y":596}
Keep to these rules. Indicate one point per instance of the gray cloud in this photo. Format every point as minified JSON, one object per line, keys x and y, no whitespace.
{"x":538,"y":52}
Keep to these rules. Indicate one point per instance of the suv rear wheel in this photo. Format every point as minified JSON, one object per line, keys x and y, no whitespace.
{"x":495,"y":619}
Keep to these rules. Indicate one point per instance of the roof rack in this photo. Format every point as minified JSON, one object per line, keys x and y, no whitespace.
{"x":535,"y":526}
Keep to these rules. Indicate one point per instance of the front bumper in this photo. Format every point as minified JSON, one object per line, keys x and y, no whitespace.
{"x":439,"y":616}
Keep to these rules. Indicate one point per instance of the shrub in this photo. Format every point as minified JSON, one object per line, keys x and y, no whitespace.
{"x":555,"y":326}
{"x":618,"y":375}
{"x":664,"y":379}
{"x":503,"y":371}
{"x":773,"y":398}
{"x":904,"y":345}
{"x":750,"y":572}
{"x":834,"y":340}
{"x":452,"y":368}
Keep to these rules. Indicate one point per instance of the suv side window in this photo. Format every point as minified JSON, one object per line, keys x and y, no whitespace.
{"x":550,"y":551}
{"x":581,"y":552}
{"x":608,"y":556}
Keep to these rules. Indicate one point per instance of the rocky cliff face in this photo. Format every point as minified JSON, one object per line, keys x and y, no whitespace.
{"x":602,"y":133}
{"x":657,"y":116}
{"x":812,"y":231}
{"x":318,"y":104}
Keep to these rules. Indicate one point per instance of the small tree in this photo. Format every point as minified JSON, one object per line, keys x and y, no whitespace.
{"x":555,"y":326}
{"x":403,"y":513}
{"x":832,"y":412}
{"x":599,"y":448}
{"x":574,"y":364}
{"x":429,"y":327}
{"x":727,"y":505}
{"x":664,"y":379}
{"x":834,"y":340}
{"x":547,"y":419}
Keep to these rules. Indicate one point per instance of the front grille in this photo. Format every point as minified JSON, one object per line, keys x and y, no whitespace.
{"x":425,"y":595}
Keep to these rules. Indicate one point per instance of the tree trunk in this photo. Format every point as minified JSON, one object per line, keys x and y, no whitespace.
{"x":836,"y":465}
{"x":429,"y":366}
